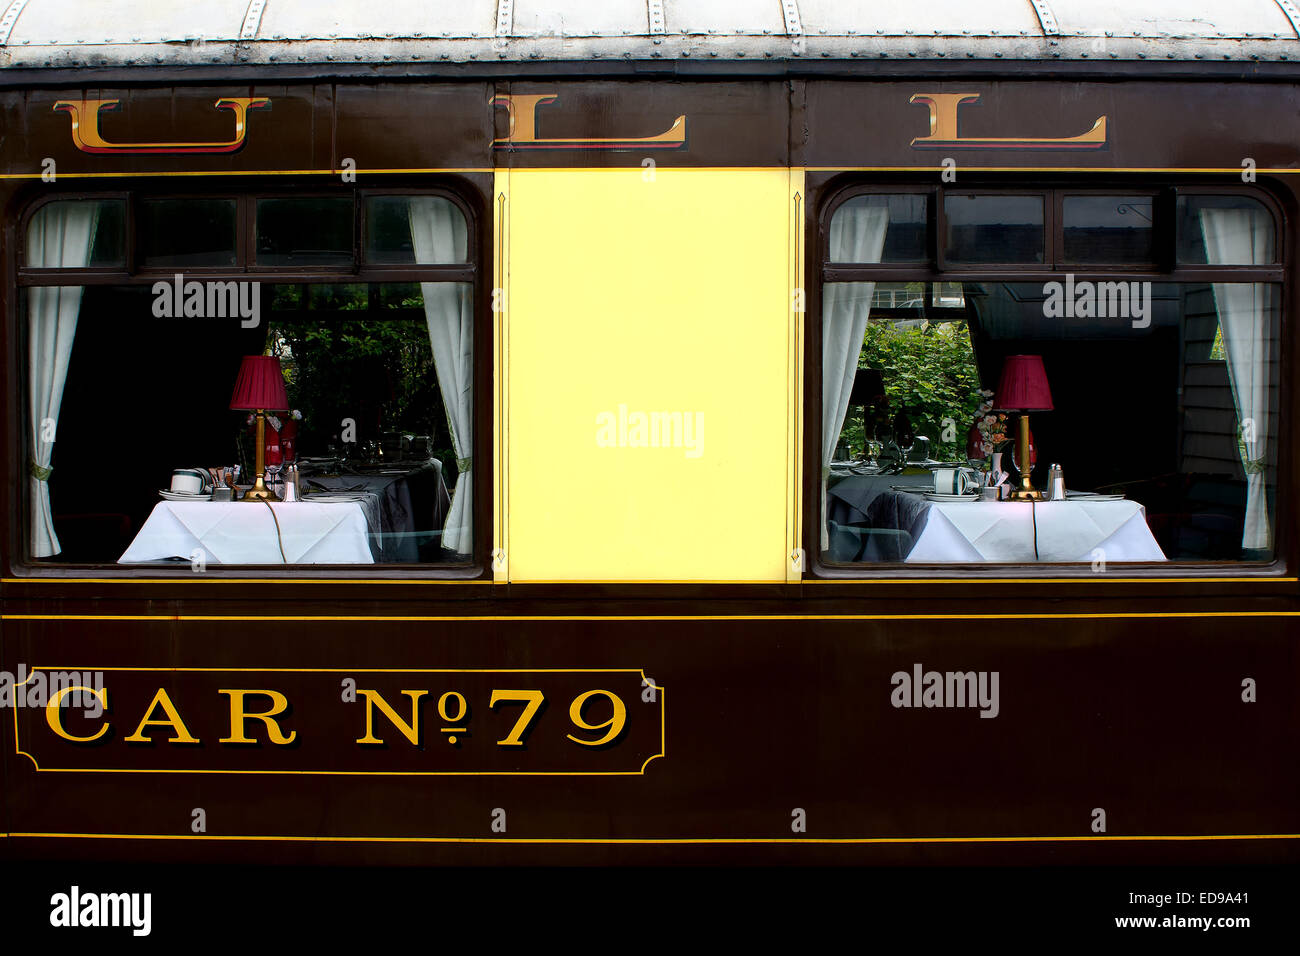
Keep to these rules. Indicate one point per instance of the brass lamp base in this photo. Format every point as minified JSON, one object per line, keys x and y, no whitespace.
{"x":1026,"y":491}
{"x":259,"y":491}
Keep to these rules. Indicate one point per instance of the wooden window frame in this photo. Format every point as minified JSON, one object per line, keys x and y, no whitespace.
{"x":823,"y":271}
{"x":476,"y":272}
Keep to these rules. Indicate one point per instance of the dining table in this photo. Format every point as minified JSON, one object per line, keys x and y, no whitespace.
{"x":253,"y":532}
{"x":406,"y":502}
{"x":1082,"y":527}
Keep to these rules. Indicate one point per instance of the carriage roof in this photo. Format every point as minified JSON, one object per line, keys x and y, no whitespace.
{"x":57,"y":34}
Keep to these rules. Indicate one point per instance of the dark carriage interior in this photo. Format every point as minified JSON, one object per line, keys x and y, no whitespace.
{"x":140,"y":405}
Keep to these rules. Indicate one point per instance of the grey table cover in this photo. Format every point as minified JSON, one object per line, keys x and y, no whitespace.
{"x":402,"y":509}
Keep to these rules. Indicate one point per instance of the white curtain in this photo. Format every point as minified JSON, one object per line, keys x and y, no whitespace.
{"x":438,"y":234}
{"x":857,"y":235}
{"x":1245,"y":237}
{"x":58,"y":236}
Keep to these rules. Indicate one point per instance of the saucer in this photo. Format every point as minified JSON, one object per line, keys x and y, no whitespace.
{"x":184,"y":495}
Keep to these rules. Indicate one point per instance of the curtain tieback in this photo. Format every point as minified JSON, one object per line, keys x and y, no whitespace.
{"x":462,"y":464}
{"x":1252,"y":466}
{"x":39,"y":472}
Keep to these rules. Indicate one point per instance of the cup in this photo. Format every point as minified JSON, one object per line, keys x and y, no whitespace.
{"x":955,"y":481}
{"x":990,"y":493}
{"x":186,"y":482}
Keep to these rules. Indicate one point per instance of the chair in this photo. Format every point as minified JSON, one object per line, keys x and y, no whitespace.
{"x":852,"y":542}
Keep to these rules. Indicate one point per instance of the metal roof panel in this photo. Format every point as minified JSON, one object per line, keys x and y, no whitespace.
{"x":725,"y":17}
{"x":348,"y":19}
{"x":73,"y":22}
{"x":581,"y":18}
{"x":934,"y":17}
{"x":1210,"y":19}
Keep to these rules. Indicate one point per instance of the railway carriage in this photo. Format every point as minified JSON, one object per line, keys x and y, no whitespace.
{"x":649,"y":431}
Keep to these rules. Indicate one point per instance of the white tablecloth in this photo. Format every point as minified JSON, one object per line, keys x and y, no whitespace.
{"x":243,"y":532}
{"x":981,"y":531}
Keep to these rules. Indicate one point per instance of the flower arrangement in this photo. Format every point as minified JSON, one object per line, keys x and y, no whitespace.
{"x":993,"y":431}
{"x":273,"y":420}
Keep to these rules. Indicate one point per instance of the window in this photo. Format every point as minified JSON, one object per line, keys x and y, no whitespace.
{"x":1156,"y":393}
{"x":993,"y":228}
{"x":134,"y":368}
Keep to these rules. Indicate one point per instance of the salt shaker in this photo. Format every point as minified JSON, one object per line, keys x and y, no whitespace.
{"x":1055,"y":484}
{"x":291,"y":484}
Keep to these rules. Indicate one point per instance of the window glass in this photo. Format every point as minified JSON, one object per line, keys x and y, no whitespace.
{"x":77,"y":234}
{"x":364,"y":417}
{"x":1108,"y":229}
{"x":1159,"y":402}
{"x":880,"y":228}
{"x":414,"y":229}
{"x":304,"y":232}
{"x":993,"y":228}
{"x":174,"y":233}
{"x":1224,"y":231}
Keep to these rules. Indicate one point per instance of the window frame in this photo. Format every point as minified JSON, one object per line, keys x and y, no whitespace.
{"x":822,"y":271}
{"x":475,"y":272}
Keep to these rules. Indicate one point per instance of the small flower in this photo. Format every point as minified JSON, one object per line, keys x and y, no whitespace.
{"x":297,"y":415}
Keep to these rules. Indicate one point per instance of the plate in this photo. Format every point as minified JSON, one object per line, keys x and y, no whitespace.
{"x":914,"y":489}
{"x":1091,"y":496}
{"x":935,"y":496}
{"x":184,"y":495}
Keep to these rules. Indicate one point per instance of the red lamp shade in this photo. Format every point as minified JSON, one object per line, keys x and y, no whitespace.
{"x":1023,"y":387}
{"x":260,"y":384}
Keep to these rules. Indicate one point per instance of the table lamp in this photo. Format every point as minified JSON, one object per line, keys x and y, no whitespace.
{"x":1023,"y":388}
{"x":260,"y":388}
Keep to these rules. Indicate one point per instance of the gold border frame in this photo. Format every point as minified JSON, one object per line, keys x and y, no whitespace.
{"x":645,"y":682}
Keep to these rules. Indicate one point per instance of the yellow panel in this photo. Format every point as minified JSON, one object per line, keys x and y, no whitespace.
{"x":630,"y":293}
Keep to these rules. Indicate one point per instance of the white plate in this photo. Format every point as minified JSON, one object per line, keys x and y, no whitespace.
{"x":1091,"y":496}
{"x":934,"y":496}
{"x":914,"y":489}
{"x":184,"y":495}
